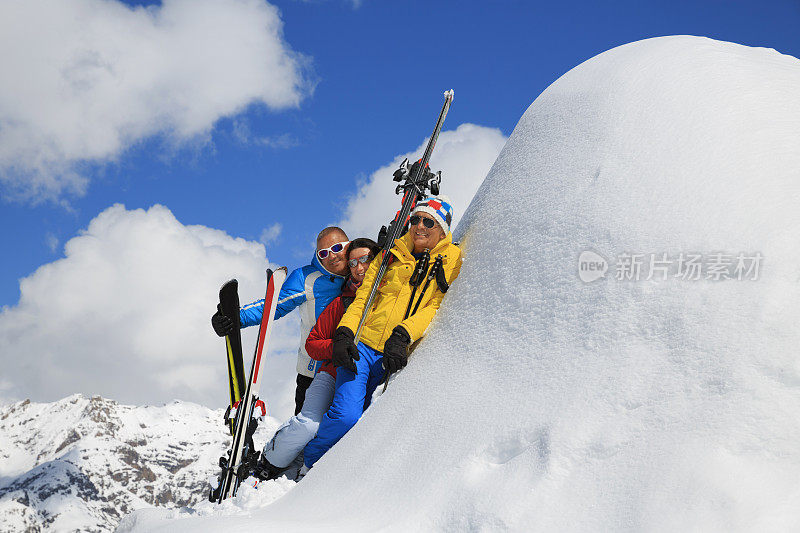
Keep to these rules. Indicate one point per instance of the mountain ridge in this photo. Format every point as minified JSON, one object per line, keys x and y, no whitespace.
{"x":84,"y":463}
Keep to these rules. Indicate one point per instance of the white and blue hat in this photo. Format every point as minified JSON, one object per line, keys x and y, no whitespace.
{"x":439,"y":208}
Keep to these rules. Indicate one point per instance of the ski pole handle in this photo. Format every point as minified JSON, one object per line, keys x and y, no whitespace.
{"x":437,"y":266}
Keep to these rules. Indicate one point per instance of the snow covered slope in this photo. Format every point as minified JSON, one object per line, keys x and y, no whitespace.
{"x":81,"y":464}
{"x":540,"y":402}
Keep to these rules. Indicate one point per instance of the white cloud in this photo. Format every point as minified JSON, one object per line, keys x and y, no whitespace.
{"x":83,"y":80}
{"x":284,"y":140}
{"x":464,"y":156}
{"x":271,"y":234}
{"x":5,"y":386}
{"x":126,"y":314}
{"x":355,"y":3}
{"x":242,"y":133}
{"x":51,"y":241}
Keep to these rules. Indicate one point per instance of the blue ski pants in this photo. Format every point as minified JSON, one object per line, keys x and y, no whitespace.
{"x":353,"y":395}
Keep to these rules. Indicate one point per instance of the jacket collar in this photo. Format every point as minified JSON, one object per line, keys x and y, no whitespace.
{"x":350,"y":288}
{"x":404,"y":246}
{"x":316,"y":263}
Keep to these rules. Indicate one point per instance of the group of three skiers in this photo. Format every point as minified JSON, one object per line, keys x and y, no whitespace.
{"x":336,"y":378}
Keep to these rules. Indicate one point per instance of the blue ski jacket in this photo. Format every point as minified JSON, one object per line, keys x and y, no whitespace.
{"x":311,"y":288}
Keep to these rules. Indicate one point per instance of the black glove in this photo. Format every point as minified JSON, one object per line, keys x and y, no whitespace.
{"x":222,"y":324}
{"x":345,"y":353}
{"x":395,"y":350}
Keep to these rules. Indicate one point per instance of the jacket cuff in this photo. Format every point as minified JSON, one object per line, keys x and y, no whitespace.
{"x":400,"y":330}
{"x":344,"y":330}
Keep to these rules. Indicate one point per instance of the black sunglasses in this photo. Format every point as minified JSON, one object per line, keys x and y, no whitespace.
{"x":427,"y":222}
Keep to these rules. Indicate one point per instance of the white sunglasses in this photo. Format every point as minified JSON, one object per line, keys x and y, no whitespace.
{"x":335,"y":249}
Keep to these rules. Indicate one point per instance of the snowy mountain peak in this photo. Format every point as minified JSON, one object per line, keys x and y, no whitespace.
{"x":82,"y":463}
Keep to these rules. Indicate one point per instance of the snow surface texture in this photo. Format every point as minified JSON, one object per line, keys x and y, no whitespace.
{"x":79,"y":464}
{"x":539,"y":402}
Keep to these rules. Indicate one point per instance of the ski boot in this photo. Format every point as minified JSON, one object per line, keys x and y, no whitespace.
{"x":264,"y":470}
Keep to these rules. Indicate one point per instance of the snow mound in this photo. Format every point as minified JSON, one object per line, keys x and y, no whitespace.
{"x":541,"y":402}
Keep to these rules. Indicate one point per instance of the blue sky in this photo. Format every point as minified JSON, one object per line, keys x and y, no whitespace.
{"x":260,"y":136}
{"x":379,"y":71}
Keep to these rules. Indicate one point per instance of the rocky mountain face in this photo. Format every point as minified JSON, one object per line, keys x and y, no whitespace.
{"x":83,"y":463}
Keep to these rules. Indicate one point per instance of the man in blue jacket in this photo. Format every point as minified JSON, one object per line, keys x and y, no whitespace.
{"x":310,"y":288}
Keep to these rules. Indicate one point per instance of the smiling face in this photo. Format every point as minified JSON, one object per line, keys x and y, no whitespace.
{"x":357,"y":272}
{"x":425,"y":238}
{"x":336,"y":263}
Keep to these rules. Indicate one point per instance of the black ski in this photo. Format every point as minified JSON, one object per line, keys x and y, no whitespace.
{"x":229,"y":303}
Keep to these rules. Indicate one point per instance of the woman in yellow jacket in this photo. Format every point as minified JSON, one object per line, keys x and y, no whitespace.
{"x":387,"y":333}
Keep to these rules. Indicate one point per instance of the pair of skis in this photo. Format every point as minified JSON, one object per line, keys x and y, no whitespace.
{"x":415,"y":181}
{"x":236,"y":466}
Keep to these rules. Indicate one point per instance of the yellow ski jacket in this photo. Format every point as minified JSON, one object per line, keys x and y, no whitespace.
{"x":394,"y":292}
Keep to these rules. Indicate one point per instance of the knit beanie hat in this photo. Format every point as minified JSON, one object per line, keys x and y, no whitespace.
{"x":439,"y":208}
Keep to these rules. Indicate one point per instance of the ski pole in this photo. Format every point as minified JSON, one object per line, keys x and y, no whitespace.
{"x":441,"y":281}
{"x":437,"y":271}
{"x":437,"y":265}
{"x":417,"y":277}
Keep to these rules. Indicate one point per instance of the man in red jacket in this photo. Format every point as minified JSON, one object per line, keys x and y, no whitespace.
{"x":294,"y":434}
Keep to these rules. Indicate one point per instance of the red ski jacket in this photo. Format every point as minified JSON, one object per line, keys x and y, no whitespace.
{"x":319,"y":343}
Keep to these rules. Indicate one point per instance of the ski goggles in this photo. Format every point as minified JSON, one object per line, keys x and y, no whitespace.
{"x":335,"y":249}
{"x":427,"y":222}
{"x":363,"y":259}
